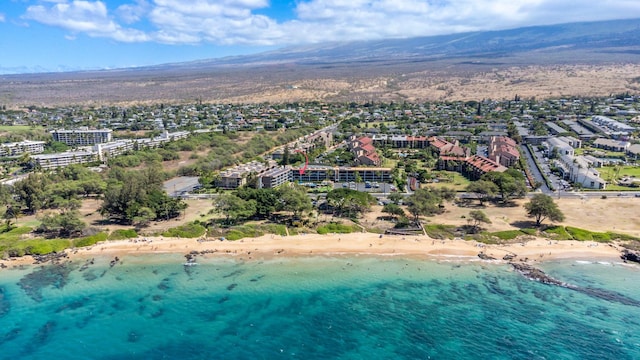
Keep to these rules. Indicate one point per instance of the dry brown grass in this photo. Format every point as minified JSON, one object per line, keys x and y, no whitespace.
{"x":417,"y":82}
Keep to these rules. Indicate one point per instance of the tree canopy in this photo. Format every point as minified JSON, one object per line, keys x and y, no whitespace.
{"x":510,"y":183}
{"x":349,"y":203}
{"x":541,"y":207}
{"x":131,"y":194}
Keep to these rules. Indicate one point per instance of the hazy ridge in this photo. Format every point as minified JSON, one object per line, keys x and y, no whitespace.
{"x":568,"y":59}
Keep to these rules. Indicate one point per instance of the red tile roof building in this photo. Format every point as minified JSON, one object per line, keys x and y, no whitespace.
{"x":503,"y":150}
{"x":364,"y":151}
{"x":472,"y":167}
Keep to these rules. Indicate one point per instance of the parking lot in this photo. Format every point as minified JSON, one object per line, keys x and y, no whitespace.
{"x":372,"y":187}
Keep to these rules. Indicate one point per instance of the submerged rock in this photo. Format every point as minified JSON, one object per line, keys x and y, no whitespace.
{"x":536,"y":274}
{"x":55,"y":276}
{"x":10,"y":335}
{"x":5,"y":305}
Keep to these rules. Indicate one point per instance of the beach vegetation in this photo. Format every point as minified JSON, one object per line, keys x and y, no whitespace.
{"x":189,"y":230}
{"x":337,"y":228}
{"x":41,"y":246}
{"x":123,"y":234}
{"x":90,"y":240}
{"x":441,"y":231}
{"x":541,"y":207}
{"x":507,"y":234}
{"x":557,"y":233}
{"x":238,"y":232}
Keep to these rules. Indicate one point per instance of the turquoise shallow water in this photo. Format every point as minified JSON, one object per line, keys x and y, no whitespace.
{"x":316,"y":308}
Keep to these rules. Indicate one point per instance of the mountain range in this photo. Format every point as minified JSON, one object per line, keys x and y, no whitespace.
{"x":388,"y":63}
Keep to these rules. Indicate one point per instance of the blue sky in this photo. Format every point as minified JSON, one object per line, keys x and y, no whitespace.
{"x":59,"y":35}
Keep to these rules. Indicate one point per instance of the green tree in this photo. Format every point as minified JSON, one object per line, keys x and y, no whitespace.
{"x":267,"y":200}
{"x":64,"y":224}
{"x":349,"y":203}
{"x":294,"y":199}
{"x":396,"y":197}
{"x":393,"y":209}
{"x":510,"y":183}
{"x":30,"y":192}
{"x":541,"y":207}
{"x":234,"y":208}
{"x":424,"y":202}
{"x":144,"y":216}
{"x":483,"y":189}
{"x":477,"y":217}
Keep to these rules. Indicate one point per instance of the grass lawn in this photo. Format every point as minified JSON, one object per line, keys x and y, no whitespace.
{"x":590,"y":150}
{"x":458,"y":182}
{"x":608,"y":173}
{"x":11,"y":128}
{"x":389,"y":163}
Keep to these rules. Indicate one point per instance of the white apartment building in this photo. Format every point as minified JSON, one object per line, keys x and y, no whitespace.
{"x":19,"y":148}
{"x":82,"y":137}
{"x":53,"y":161}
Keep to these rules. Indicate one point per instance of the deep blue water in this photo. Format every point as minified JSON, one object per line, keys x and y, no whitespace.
{"x":315,"y":308}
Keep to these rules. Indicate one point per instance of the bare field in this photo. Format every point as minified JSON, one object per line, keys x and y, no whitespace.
{"x":419,"y":82}
{"x":620,"y":215}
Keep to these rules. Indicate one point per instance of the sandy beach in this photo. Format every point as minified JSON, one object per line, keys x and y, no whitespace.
{"x":270,"y":246}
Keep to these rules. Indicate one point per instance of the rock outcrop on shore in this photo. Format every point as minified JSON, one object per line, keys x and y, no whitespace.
{"x":630,"y":255}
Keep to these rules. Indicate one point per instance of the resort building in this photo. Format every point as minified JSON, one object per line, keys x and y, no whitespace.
{"x":112,"y":149}
{"x":472,"y":167}
{"x":82,"y":137}
{"x":237,"y":176}
{"x":558,"y":147}
{"x":319,"y":173}
{"x":581,"y":171}
{"x":504,"y":151}
{"x":23,"y":147}
{"x":364,"y":151}
{"x":53,"y":161}
{"x":611,"y":145}
{"x":275,"y":177}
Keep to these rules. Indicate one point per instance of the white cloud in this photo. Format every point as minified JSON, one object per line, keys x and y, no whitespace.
{"x":88,"y":17}
{"x":131,"y":13}
{"x":237,"y":21}
{"x":1,"y":17}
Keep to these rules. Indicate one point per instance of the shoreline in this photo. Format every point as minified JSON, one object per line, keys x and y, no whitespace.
{"x":337,"y":245}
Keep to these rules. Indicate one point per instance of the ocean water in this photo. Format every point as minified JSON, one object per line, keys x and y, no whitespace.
{"x":153,"y":307}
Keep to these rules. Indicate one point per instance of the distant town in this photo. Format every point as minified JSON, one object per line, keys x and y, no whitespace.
{"x":563,"y":143}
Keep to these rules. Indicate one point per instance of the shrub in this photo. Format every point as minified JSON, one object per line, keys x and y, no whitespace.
{"x":122,"y":234}
{"x":439,"y":231}
{"x":90,"y":240}
{"x":42,"y":246}
{"x":507,"y":234}
{"x":190,"y":230}
{"x":579,"y":234}
{"x":558,"y":233}
{"x":336,"y":229}
{"x":624,"y":237}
